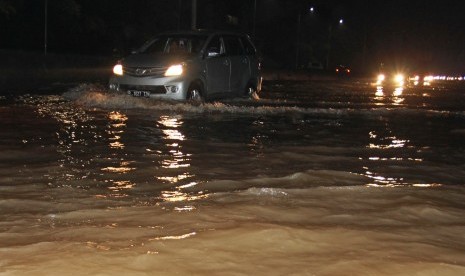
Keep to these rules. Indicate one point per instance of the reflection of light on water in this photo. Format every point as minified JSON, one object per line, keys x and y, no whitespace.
{"x":189,"y":185}
{"x":385,"y":143}
{"x":256,"y":143}
{"x":382,"y":181}
{"x":123,"y":168}
{"x":178,"y":196}
{"x":432,"y":185}
{"x":121,"y":186}
{"x":174,"y":164}
{"x":379,"y":94}
{"x":392,"y":185}
{"x":376,"y":158}
{"x":75,"y":127}
{"x":395,"y":143}
{"x":174,"y":196}
{"x":119,"y":118}
{"x":184,"y":208}
{"x":172,"y":123}
{"x":118,"y":188}
{"x":173,"y":134}
{"x":180,"y":237}
{"x":115,"y":129}
{"x":178,"y":159}
{"x":397,"y":95}
{"x":175,"y":179}
{"x":398,"y":91}
{"x":397,"y":98}
{"x":117,"y":145}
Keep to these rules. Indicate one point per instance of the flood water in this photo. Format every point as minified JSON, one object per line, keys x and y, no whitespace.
{"x":315,"y":178}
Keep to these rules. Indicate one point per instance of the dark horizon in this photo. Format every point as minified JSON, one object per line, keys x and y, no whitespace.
{"x":414,"y":36}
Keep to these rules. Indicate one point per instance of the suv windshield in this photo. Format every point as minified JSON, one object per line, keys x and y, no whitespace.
{"x":175,"y":44}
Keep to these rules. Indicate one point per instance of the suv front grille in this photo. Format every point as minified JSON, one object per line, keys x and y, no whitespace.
{"x":145,"y":71}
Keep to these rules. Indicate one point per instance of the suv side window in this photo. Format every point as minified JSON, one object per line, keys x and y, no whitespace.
{"x":215,"y":47}
{"x":233,"y":46}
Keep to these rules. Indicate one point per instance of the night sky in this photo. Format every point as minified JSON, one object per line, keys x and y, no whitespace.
{"x":412,"y":35}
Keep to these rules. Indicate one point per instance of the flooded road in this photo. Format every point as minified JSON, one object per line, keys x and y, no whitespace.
{"x":315,"y":178}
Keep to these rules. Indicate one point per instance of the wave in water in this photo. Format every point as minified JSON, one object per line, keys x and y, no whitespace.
{"x":94,"y":96}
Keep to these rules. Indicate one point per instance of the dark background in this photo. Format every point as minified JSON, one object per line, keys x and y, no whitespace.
{"x":423,"y":36}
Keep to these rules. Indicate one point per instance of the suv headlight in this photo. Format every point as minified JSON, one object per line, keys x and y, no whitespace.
{"x":174,"y":70}
{"x":118,"y":69}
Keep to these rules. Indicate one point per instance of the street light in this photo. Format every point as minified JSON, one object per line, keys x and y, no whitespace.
{"x":311,"y":10}
{"x":330,"y":34}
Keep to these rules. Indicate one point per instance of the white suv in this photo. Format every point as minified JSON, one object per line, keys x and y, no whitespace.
{"x":194,"y":65}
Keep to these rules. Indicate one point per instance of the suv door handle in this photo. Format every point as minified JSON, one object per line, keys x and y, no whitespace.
{"x":226,"y":62}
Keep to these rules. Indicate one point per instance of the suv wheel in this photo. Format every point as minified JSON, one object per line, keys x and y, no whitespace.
{"x":194,"y":94}
{"x":251,"y":93}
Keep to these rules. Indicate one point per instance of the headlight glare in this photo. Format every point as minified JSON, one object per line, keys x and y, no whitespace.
{"x":174,"y":70}
{"x":118,"y":69}
{"x":381,"y":78}
{"x":399,"y":79}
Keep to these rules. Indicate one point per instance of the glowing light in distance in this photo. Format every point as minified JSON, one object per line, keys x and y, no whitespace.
{"x":380,"y":78}
{"x":399,"y":78}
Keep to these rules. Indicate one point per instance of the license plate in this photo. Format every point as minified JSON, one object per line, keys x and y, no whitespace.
{"x":137,"y":93}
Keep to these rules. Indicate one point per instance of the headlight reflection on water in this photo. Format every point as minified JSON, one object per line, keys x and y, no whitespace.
{"x":177,"y":160}
{"x":116,"y":129}
{"x":178,"y":196}
{"x":393,"y":141}
{"x":383,"y":95}
{"x":389,"y":150}
{"x":174,"y":137}
{"x":391,"y":182}
{"x":174,"y":179}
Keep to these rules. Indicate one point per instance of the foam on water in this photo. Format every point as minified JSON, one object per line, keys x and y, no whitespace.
{"x":91,"y":95}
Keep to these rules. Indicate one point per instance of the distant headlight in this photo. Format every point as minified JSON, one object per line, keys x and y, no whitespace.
{"x":428,"y":78}
{"x":118,"y":69}
{"x":399,"y":79}
{"x":174,"y":70}
{"x":381,"y":78}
